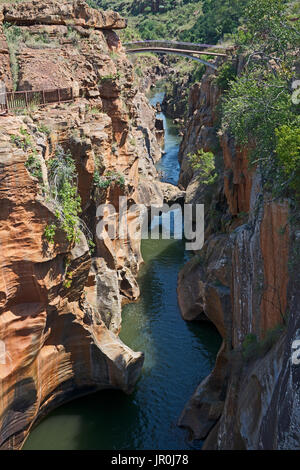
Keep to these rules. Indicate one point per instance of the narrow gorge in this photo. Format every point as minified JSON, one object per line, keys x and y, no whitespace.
{"x":147,"y":418}
{"x":121,"y":344}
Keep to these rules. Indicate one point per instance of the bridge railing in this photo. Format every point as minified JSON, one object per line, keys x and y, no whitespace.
{"x":171,"y":44}
{"x":17,"y":100}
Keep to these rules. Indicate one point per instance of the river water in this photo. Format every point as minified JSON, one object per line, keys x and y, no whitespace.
{"x":178,"y":355}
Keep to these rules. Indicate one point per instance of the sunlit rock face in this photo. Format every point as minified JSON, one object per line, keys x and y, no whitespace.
{"x":53,"y":12}
{"x":246,"y":281}
{"x":5,"y":72}
{"x":60,"y":304}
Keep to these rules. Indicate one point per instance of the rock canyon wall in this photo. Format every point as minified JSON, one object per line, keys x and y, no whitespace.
{"x":246,"y":281}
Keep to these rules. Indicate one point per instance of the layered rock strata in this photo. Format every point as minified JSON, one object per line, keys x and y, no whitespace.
{"x":246,"y":281}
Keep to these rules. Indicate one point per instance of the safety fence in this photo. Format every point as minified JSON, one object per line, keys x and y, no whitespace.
{"x":18,"y":100}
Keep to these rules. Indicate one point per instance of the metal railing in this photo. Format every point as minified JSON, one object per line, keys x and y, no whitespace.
{"x":188,"y":46}
{"x":185,"y":49}
{"x":18,"y":100}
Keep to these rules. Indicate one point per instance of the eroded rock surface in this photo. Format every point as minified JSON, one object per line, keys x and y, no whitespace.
{"x":246,"y":281}
{"x":5,"y":72}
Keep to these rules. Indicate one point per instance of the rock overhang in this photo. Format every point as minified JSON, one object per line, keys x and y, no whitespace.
{"x":68,"y":13}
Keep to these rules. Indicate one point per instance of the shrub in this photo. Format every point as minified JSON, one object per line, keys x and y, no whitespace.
{"x":204,"y":164}
{"x":255,"y":106}
{"x":61,"y":170}
{"x":110,"y":77}
{"x":288,"y":154}
{"x":49,"y":233}
{"x":63,"y":192}
{"x":104,"y":181}
{"x":43,"y":129}
{"x":226,"y":74}
{"x":268,"y":29}
{"x":33,"y":165}
{"x":73,"y":36}
{"x":91,"y":244}
{"x":94,"y":110}
{"x":68,"y":279}
{"x":197,"y":72}
{"x":69,"y":210}
{"x":23,"y":141}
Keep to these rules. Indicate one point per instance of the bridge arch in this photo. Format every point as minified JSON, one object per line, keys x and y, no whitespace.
{"x":184,"y":49}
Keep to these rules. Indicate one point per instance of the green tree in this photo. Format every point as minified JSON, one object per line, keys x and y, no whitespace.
{"x":288,"y":154}
{"x":219,"y":17}
{"x":258,"y":108}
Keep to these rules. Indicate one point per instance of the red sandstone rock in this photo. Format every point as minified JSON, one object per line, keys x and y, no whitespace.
{"x":242,"y":405}
{"x":275,"y":245}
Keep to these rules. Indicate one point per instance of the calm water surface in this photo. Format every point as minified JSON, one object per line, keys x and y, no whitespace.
{"x":178,"y":355}
{"x":168,"y":165}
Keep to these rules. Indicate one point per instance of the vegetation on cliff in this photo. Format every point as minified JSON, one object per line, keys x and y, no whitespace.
{"x":63,"y":192}
{"x":203,"y":163}
{"x":258,"y":108}
{"x":104,"y":181}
